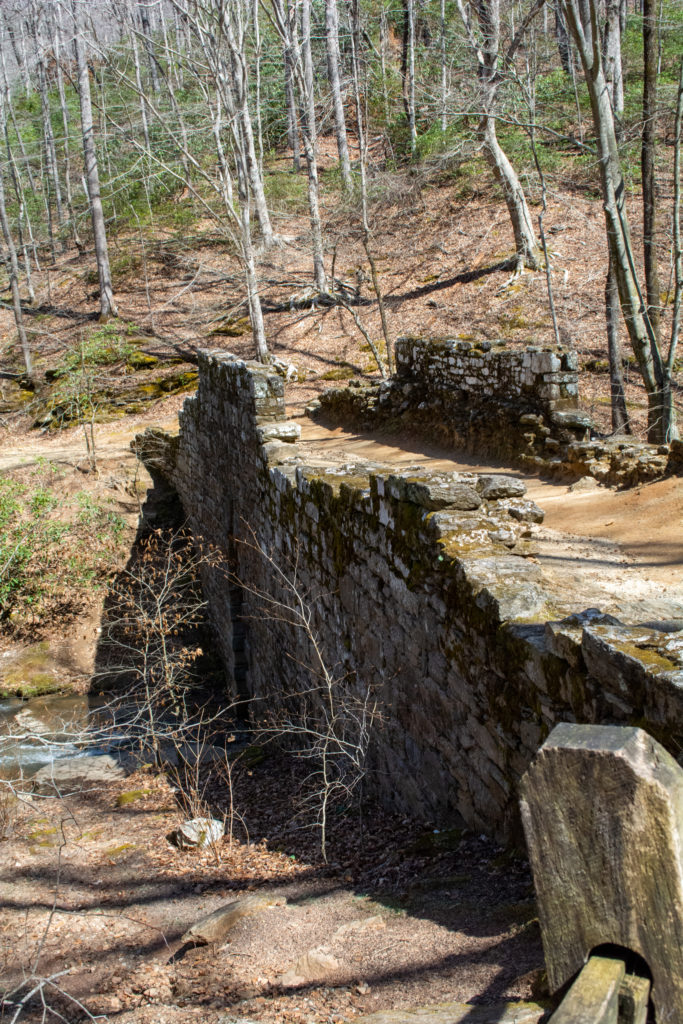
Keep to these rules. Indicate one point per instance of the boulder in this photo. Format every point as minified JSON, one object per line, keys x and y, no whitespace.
{"x":491,"y":487}
{"x":197,"y":832}
{"x":76,"y":774}
{"x":524,"y":511}
{"x":215,"y":927}
{"x":315,"y":965}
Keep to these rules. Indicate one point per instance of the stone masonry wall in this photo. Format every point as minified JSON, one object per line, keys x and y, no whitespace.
{"x":416,"y":591}
{"x":520,"y":405}
{"x":545,"y":379}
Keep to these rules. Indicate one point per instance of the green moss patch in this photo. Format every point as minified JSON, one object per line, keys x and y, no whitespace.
{"x":31,"y":674}
{"x":131,"y":797}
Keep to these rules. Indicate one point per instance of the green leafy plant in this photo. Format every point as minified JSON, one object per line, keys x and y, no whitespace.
{"x":51,"y":548}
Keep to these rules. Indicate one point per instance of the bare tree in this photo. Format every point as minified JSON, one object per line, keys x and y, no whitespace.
{"x":143,"y":11}
{"x":13,"y":269}
{"x":302,"y":69}
{"x":327,"y":716}
{"x":486,"y":47}
{"x":583,"y":23}
{"x":408,"y":70}
{"x":647,"y":161}
{"x":293,"y":134}
{"x":92,"y":175}
{"x":333,"y":75}
{"x":37,"y":28}
{"x":611,"y":47}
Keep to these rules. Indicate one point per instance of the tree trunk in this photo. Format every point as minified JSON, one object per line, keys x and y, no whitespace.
{"x":488,"y":58}
{"x":48,"y":135}
{"x":138,"y":80}
{"x":515,"y":200}
{"x":19,"y":54}
{"x":310,"y":146}
{"x":612,"y":58}
{"x":226,"y":179}
{"x":444,"y":78}
{"x":408,"y":70}
{"x":354,"y":17}
{"x":257,"y":81}
{"x":620,"y":421}
{"x":564,"y":46}
{"x":641,"y":335}
{"x":333,"y":61}
{"x":92,"y":177}
{"x":65,"y":124}
{"x":611,"y":50}
{"x":236,"y":67}
{"x":149,"y":45}
{"x":13,"y":268}
{"x":293,"y":137}
{"x":650,"y":58}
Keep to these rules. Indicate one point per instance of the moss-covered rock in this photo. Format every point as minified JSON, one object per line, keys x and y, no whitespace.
{"x":31,"y":673}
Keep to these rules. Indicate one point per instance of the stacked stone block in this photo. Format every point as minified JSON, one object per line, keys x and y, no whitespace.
{"x":417,"y":592}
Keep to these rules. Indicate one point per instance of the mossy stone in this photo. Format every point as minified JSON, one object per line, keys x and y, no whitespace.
{"x":234,"y":328}
{"x":138,"y":360}
{"x":31,"y":674}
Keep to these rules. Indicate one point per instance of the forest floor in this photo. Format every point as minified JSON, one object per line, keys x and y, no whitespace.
{"x":403,"y":915}
{"x":443,"y":248}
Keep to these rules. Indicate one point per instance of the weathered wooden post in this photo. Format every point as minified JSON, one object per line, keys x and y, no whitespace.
{"x":602,"y":808}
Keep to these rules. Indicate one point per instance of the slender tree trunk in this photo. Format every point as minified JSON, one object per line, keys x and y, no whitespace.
{"x":564,"y":46}
{"x":226,"y":178}
{"x":612,"y":58}
{"x":21,"y":217}
{"x":667,"y":396}
{"x":293,"y":137}
{"x":643,"y":340}
{"x":611,"y":49}
{"x":515,"y":200}
{"x":107,"y":305}
{"x":13,"y":268}
{"x":250,"y":273}
{"x":488,"y":59}
{"x":233,"y":29}
{"x":310,"y":147}
{"x":138,"y":79}
{"x":620,"y":420}
{"x":333,"y":62}
{"x":383,"y":64}
{"x":19,"y":53}
{"x":362,"y":151}
{"x":149,"y":46}
{"x":257,"y":82}
{"x":9,"y":106}
{"x":65,"y":127}
{"x":408,"y":70}
{"x":650,"y":33}
{"x":255,"y":178}
{"x":48,"y":135}
{"x":444,"y":78}
{"x":227,"y":93}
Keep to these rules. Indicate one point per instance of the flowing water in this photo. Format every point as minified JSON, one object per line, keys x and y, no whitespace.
{"x":36,"y":732}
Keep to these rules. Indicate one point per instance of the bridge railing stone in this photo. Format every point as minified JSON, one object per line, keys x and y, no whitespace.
{"x":602,"y":808}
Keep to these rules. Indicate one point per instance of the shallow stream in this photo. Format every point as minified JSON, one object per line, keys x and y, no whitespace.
{"x":35,"y":732}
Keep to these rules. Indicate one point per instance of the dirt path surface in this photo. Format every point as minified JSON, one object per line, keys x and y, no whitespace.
{"x":621,"y":551}
{"x":112,"y":440}
{"x":403,"y":918}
